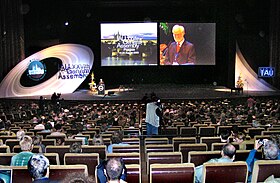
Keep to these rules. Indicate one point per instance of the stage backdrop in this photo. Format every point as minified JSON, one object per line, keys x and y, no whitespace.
{"x":75,"y":64}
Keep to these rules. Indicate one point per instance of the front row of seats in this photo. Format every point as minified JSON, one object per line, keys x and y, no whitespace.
{"x":177,"y":171}
{"x":183,"y":172}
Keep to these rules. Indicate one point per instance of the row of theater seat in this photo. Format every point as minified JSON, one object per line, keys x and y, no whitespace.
{"x":169,"y":173}
{"x":196,"y":130}
{"x":57,"y":172}
{"x":11,"y":140}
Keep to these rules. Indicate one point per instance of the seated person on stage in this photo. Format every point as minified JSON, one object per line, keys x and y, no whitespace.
{"x":270,"y":152}
{"x":116,"y":141}
{"x":228,"y":154}
{"x":112,"y":170}
{"x":180,"y":51}
{"x":38,"y":168}
{"x":21,"y":159}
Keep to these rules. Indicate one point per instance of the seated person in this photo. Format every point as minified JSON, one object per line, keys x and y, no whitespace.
{"x":20,"y":134}
{"x":239,"y":138}
{"x":58,"y":131}
{"x":78,"y":178}
{"x":112,"y":170}
{"x":37,"y":141}
{"x":38,"y":168}
{"x":224,"y":135}
{"x":116,"y":141}
{"x":40,"y":125}
{"x":97,"y":140}
{"x":276,"y":139}
{"x":270,"y":152}
{"x":228,"y":155}
{"x":21,"y":159}
{"x":75,"y":148}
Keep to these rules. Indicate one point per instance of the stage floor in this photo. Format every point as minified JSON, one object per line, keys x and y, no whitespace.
{"x":163,"y":91}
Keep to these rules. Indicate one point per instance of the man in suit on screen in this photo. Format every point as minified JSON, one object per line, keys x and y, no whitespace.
{"x":180,"y":52}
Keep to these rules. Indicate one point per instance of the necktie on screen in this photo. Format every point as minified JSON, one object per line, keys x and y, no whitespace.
{"x":178,"y":47}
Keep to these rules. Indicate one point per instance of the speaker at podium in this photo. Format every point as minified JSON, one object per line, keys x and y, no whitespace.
{"x":101,"y":87}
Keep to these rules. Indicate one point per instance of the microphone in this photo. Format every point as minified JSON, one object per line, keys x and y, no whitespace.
{"x":166,"y":49}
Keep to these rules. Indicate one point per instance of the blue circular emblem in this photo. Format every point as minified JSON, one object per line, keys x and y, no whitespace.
{"x":36,"y":70}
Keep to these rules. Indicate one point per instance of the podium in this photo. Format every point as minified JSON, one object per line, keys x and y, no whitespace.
{"x":101,"y":88}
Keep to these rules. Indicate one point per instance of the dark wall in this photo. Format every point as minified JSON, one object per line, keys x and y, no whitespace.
{"x":44,"y":26}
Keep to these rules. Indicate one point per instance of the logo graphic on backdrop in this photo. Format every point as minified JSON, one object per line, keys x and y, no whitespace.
{"x":77,"y":61}
{"x":73,"y":71}
{"x":36,"y":70}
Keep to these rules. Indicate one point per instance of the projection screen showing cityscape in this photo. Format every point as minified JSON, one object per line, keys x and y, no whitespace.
{"x":128,"y":44}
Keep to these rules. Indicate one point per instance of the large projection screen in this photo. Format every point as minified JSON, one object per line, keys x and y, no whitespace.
{"x":198,"y":47}
{"x":129,"y":44}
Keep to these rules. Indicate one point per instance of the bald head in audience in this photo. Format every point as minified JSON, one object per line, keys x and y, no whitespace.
{"x":228,"y":151}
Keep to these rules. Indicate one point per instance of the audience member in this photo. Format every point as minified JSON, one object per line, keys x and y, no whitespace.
{"x":270,"y":152}
{"x":228,"y":155}
{"x":20,"y":134}
{"x":224,"y":135}
{"x":37,"y":141}
{"x":239,"y":138}
{"x":57,"y":131}
{"x":21,"y":159}
{"x":40,"y":125}
{"x":116,"y":139}
{"x":78,"y":178}
{"x":75,"y":148}
{"x":223,"y":118}
{"x":250,"y":102}
{"x":7,"y":130}
{"x":112,"y":170}
{"x":276,"y":139}
{"x":97,"y":140}
{"x":2,"y":125}
{"x":38,"y":168}
{"x":48,"y":127}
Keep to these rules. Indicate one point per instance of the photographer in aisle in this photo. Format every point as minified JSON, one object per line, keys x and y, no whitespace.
{"x":152,"y":118}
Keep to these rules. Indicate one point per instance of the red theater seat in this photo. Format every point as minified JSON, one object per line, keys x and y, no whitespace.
{"x":265,"y":168}
{"x":171,"y":173}
{"x":225,"y":172}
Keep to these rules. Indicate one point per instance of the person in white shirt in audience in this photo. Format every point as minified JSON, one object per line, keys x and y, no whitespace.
{"x":39,"y":126}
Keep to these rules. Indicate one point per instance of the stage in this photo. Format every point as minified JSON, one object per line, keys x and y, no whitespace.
{"x":163,"y":91}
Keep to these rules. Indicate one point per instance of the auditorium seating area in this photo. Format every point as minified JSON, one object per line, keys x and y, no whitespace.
{"x":189,"y":137}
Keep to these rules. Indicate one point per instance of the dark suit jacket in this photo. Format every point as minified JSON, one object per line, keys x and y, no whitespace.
{"x":186,"y":54}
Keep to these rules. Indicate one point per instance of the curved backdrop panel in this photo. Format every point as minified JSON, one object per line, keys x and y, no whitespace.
{"x":249,"y":76}
{"x":77,"y":61}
